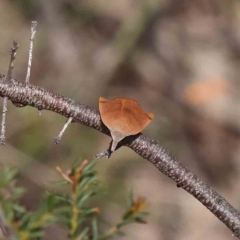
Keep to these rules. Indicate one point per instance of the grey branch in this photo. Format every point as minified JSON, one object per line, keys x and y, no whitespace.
{"x":33,"y":32}
{"x":151,"y":150}
{"x":3,"y":122}
{"x":13,"y":53}
{"x":57,"y":139}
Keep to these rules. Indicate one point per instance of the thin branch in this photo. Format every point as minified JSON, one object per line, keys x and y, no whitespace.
{"x":40,"y":98}
{"x":64,"y":175}
{"x":33,"y":32}
{"x":13,"y":53}
{"x":57,"y":139}
{"x":3,"y":122}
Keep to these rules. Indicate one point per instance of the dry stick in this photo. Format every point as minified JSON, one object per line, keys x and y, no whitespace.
{"x":13,"y":53}
{"x":33,"y":32}
{"x":28,"y":94}
{"x":57,"y":139}
{"x":3,"y":122}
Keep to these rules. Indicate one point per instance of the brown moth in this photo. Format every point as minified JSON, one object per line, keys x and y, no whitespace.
{"x":123,"y":117}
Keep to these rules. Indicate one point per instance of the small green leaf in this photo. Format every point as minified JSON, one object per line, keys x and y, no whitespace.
{"x":86,"y":182}
{"x":83,"y":234}
{"x":81,"y":199}
{"x":17,"y":193}
{"x":63,"y":209}
{"x":60,"y":183}
{"x":87,"y":211}
{"x":26,"y":221}
{"x":95,"y":228}
{"x":36,"y":234}
{"x":130,"y":199}
{"x":51,"y":202}
{"x":63,"y":198}
{"x":76,"y":163}
{"x":63,"y":219}
{"x":7,"y":175}
{"x":90,"y":166}
{"x":19,"y":209}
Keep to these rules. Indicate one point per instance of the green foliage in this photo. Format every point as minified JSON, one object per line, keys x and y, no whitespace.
{"x":70,"y":209}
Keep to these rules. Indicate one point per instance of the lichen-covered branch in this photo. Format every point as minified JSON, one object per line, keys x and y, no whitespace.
{"x":22,"y":94}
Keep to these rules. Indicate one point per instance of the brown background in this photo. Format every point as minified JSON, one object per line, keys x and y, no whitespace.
{"x":178,"y":59}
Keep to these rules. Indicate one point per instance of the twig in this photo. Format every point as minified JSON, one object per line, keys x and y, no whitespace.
{"x":57,"y":139}
{"x":3,"y":122}
{"x":13,"y":53}
{"x":28,"y":94}
{"x":33,"y":32}
{"x":64,"y":175}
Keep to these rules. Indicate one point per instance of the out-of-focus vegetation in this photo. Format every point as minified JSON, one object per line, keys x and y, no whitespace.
{"x":69,"y":210}
{"x":178,"y":59}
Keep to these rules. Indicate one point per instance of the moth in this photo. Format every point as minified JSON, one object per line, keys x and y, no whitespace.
{"x":123,"y":117}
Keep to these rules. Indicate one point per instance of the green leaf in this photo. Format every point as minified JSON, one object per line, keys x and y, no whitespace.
{"x":130,"y":199}
{"x":19,"y":209}
{"x":60,"y":183}
{"x":7,"y":175}
{"x":85,"y":182}
{"x":63,"y":209}
{"x":95,"y":228}
{"x":82,"y":198}
{"x":63,"y":219}
{"x":127,"y":221}
{"x":36,"y":234}
{"x":26,"y":221}
{"x":17,"y":193}
{"x":90,"y":166}
{"x":7,"y":210}
{"x":63,"y":198}
{"x":76,"y":163}
{"x":87,"y":211}
{"x":83,"y":234}
{"x":51,"y":202}
{"x":140,"y":215}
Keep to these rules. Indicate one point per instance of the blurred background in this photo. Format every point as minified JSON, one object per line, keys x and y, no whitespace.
{"x":178,"y":59}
